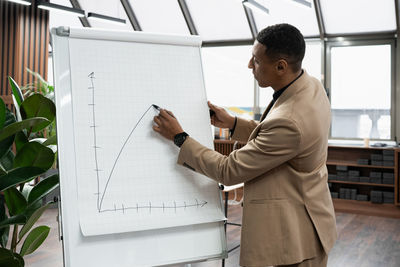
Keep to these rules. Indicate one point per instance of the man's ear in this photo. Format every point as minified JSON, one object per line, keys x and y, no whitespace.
{"x":282,"y":65}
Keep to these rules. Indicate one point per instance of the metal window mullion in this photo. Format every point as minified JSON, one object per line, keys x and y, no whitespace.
{"x":85,"y":22}
{"x":188,"y":17}
{"x":397,"y":74}
{"x":251,"y":21}
{"x":393,"y":109}
{"x":320,"y":20}
{"x":131,"y":15}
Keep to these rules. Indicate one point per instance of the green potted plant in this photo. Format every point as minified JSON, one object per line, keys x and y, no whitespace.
{"x":23,"y":158}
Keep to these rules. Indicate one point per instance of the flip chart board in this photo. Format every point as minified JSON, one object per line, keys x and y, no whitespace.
{"x":123,"y":197}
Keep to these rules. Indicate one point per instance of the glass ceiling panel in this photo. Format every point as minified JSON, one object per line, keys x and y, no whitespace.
{"x":57,"y":19}
{"x":112,"y":8}
{"x":358,"y":16}
{"x":166,"y":18}
{"x":219,"y":20}
{"x":288,"y":11}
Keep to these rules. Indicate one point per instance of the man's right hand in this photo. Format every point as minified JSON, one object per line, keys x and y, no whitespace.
{"x":221,"y":117}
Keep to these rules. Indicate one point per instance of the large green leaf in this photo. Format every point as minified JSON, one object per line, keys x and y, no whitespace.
{"x":18,"y":176}
{"x":20,"y":125}
{"x":32,"y":219}
{"x":20,"y":140}
{"x":6,"y":144}
{"x":17,"y":219}
{"x":43,"y":188}
{"x":7,"y":161}
{"x":31,"y":209}
{"x":16,"y":91}
{"x":10,"y":259}
{"x":16,"y":202}
{"x":38,"y":106}
{"x":34,"y":154}
{"x":34,"y":239}
{"x":2,"y":112}
{"x":4,"y":232}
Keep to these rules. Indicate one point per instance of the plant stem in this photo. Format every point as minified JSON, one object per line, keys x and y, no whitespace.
{"x":14,"y":239}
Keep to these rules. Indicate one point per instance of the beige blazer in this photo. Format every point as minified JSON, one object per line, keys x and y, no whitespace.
{"x":287,"y":210}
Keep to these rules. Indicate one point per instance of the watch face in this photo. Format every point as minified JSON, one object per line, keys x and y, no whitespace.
{"x":180,"y":138}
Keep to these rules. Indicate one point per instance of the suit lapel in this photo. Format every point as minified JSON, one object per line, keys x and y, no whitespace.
{"x":267,"y":110}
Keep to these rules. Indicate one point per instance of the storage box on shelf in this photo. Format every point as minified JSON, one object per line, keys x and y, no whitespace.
{"x":364,"y":180}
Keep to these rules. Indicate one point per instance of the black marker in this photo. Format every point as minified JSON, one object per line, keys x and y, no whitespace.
{"x":156,"y":107}
{"x":159,"y":109}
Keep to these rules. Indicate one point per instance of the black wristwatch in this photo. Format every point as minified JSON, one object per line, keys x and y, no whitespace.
{"x":180,"y":138}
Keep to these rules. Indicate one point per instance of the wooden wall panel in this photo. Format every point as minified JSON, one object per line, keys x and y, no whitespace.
{"x":24,"y":37}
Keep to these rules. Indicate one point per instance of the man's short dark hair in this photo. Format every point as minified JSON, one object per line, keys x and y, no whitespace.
{"x":283,"y":41}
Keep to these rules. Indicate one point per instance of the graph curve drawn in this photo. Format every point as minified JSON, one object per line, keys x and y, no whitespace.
{"x":100,"y":195}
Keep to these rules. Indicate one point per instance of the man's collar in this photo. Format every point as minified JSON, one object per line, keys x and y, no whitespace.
{"x":278,"y":93}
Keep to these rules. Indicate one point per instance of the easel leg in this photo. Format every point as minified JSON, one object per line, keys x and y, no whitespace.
{"x":226,"y":216}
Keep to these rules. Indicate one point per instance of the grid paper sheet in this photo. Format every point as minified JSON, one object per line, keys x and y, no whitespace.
{"x":127,"y":176}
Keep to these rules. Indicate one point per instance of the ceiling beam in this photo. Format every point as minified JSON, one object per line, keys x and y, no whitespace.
{"x":320,"y":20}
{"x":85,"y":22}
{"x":131,"y":15}
{"x":188,"y":17}
{"x":251,"y":21}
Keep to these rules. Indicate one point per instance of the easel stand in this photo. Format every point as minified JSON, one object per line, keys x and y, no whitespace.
{"x":226,"y":190}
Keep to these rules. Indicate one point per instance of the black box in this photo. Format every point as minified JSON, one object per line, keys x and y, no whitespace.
{"x":375,"y":180}
{"x":388,"y":163}
{"x":388,"y":152}
{"x":387,"y":180}
{"x":388,"y":158}
{"x":364,"y":179}
{"x":353,"y":173}
{"x":377,"y":162}
{"x":375,"y":174}
{"x":355,"y":179}
{"x":348,"y":193}
{"x":341,"y":176}
{"x":388,"y":175}
{"x":332,"y":177}
{"x":377,"y":157}
{"x":388,"y":194}
{"x":363,"y":161}
{"x":353,"y":194}
{"x":376,"y":196}
{"x":360,"y":197}
{"x":341,"y":168}
{"x":342,"y":193}
{"x":334,"y":194}
{"x":388,"y":197}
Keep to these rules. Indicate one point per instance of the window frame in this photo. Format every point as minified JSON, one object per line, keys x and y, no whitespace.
{"x":351,"y":42}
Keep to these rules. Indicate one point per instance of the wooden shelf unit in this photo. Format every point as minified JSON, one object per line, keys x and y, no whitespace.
{"x":347,"y":156}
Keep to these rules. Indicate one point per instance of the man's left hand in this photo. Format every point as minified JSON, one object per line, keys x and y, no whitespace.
{"x":166,"y":124}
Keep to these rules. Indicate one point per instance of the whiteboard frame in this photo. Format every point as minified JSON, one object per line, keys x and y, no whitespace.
{"x":69,"y":221}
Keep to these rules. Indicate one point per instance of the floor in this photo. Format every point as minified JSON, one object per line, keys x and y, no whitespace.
{"x":364,"y":241}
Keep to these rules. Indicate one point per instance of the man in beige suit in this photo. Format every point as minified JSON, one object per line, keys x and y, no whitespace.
{"x":288,"y":216}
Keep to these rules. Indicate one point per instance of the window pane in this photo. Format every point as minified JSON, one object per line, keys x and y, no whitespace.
{"x":343,"y":16}
{"x":57,"y":19}
{"x":219,"y":20}
{"x":312,"y":59}
{"x":228,"y":81}
{"x":112,"y":8}
{"x":361,"y":91}
{"x":291,"y":12}
{"x":160,"y":16}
